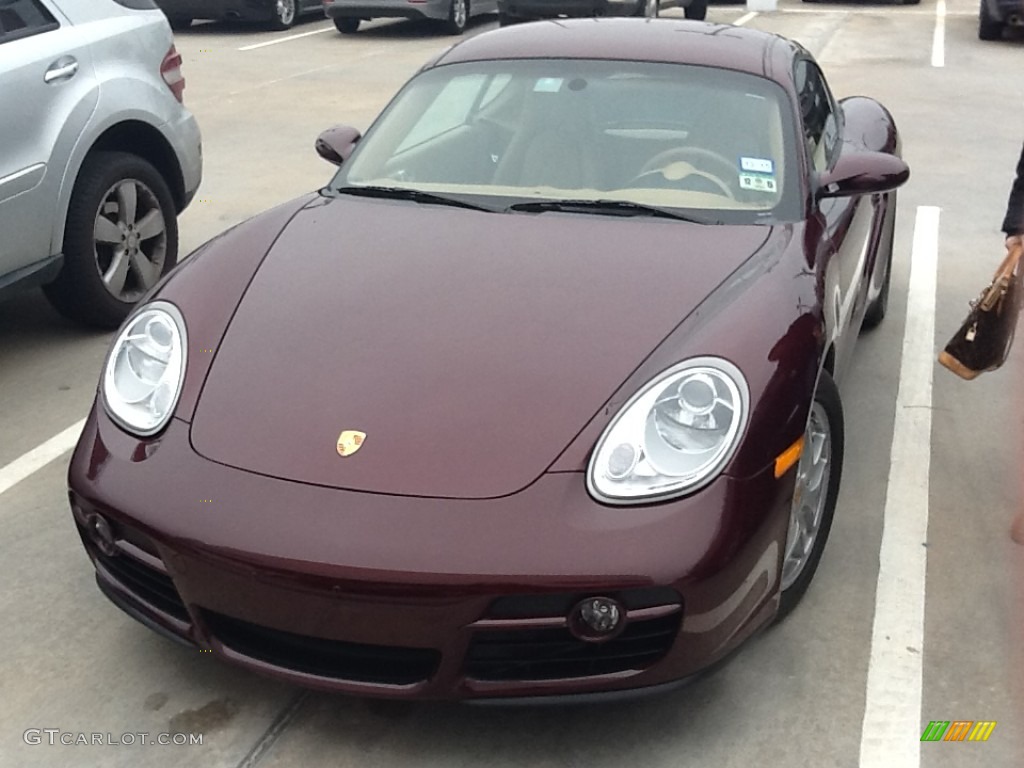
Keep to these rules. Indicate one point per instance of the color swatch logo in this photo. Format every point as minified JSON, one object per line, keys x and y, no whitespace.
{"x":958,"y":730}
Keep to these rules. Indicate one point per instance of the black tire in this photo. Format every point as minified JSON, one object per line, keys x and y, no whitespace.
{"x":79,"y":291}
{"x":179,"y":23}
{"x":346,"y":24}
{"x":697,"y":9}
{"x":458,"y":17}
{"x":286,"y":14}
{"x":827,"y":396}
{"x":875,"y":313}
{"x":988,"y":28}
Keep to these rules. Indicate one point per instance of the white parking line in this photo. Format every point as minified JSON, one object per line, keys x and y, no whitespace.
{"x":745,"y":18}
{"x":39,"y":456}
{"x":890,"y":737}
{"x":380,"y":50}
{"x":939,"y":38}
{"x":286,"y":39}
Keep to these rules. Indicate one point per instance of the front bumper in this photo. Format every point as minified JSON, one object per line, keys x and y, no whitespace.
{"x":388,"y":9}
{"x":423,"y":598}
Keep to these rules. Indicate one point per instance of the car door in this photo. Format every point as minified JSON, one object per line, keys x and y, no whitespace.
{"x":48,"y":94}
{"x":847,"y":220}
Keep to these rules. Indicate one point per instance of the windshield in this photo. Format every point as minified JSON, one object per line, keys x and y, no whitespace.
{"x":501,"y":133}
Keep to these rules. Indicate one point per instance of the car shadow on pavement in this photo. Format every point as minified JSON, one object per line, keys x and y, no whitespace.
{"x":27,"y":320}
{"x":397,"y":29}
{"x":447,"y":733}
{"x":239,"y":27}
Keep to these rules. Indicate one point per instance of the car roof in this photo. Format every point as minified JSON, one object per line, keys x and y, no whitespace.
{"x":655,"y":40}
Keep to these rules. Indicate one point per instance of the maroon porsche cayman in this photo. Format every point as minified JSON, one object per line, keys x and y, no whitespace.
{"x":538,"y":396}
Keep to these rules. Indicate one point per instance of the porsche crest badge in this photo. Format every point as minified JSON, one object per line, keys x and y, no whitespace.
{"x":350,"y":441}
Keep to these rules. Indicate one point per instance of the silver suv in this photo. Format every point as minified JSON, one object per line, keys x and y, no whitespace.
{"x":98,"y":155}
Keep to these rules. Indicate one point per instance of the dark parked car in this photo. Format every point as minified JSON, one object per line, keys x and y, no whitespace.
{"x":540,"y":395}
{"x":515,"y":11}
{"x":277,"y":14}
{"x":997,"y":15}
{"x":453,"y":14}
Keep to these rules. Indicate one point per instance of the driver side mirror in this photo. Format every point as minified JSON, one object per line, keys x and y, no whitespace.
{"x":862,"y":173}
{"x":335,"y":144}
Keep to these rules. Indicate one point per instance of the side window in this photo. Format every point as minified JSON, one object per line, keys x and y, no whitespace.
{"x":818,"y":114}
{"x":22,"y":18}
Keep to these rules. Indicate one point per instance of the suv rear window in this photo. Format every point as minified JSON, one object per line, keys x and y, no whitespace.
{"x":21,"y":18}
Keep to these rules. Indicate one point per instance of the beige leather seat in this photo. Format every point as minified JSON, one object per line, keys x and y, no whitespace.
{"x":554,"y":146}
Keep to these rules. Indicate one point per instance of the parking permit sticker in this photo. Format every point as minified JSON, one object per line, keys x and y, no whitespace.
{"x":548,"y":85}
{"x":758,"y":182}
{"x":757,"y":165}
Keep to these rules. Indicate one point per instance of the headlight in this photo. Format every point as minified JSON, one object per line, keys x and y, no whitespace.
{"x":145,"y":369}
{"x":674,"y":436}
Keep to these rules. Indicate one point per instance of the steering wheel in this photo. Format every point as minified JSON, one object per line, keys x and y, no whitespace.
{"x":674,"y":165}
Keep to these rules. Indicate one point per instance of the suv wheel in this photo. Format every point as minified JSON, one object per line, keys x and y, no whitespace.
{"x":458,"y":15}
{"x":285,"y":13}
{"x":346,"y":25}
{"x":988,"y":28}
{"x":121,"y":236}
{"x":697,"y":9}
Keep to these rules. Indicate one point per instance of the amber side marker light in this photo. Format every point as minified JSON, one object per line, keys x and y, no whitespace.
{"x":788,"y":457}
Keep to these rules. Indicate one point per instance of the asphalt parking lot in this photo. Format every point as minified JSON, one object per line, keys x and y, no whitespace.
{"x":930,"y":486}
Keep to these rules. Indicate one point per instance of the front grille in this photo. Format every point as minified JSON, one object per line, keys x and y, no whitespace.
{"x":549,"y":654}
{"x":145,"y":583}
{"x":386,"y":665}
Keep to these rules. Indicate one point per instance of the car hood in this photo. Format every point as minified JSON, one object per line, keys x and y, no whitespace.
{"x":469,"y":347}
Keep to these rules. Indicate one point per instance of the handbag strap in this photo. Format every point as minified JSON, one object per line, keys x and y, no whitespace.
{"x":1001,"y":281}
{"x":1009,"y":265}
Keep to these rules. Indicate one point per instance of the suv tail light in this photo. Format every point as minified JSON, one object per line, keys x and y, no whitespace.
{"x":170,"y":71}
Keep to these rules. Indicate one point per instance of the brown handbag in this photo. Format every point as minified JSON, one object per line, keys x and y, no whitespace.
{"x":983,"y":341}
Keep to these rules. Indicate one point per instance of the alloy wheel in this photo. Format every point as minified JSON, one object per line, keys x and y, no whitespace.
{"x":286,"y":12}
{"x":809,"y":496}
{"x":130,"y":240}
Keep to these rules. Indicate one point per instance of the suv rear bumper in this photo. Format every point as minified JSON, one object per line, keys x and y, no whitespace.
{"x":584,"y":8}
{"x":187,"y":141}
{"x":245,"y":10}
{"x":389,"y":9}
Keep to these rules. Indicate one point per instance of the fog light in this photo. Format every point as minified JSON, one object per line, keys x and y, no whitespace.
{"x":101,"y":534}
{"x":597,"y":619}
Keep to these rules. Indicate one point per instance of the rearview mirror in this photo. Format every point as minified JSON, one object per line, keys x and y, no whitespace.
{"x":863,"y":173}
{"x":335,"y":144}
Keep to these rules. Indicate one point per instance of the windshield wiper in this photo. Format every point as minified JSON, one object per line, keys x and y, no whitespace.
{"x":609,"y":207}
{"x":416,"y":195}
